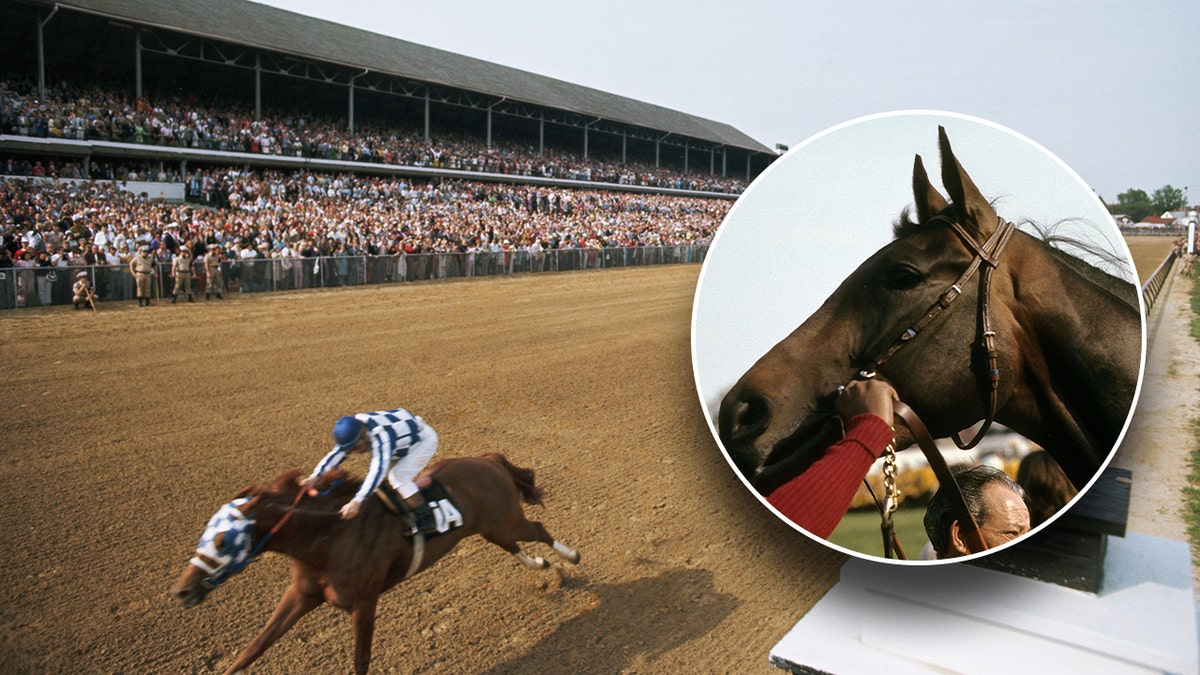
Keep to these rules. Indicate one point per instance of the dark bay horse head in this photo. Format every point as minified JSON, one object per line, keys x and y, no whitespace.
{"x":1067,"y":339}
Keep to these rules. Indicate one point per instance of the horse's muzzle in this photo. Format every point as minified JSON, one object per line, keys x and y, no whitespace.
{"x":190,"y":590}
{"x":741,"y":421}
{"x":190,"y":597}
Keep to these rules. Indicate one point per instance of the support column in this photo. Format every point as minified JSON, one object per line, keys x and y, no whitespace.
{"x":426,"y":114}
{"x":724,"y":158}
{"x":258,"y":85}
{"x":624,"y":143}
{"x":41,"y":52}
{"x":489,"y":127}
{"x":542,"y":134}
{"x":747,"y":167}
{"x":351,"y":103}
{"x":137,"y":64}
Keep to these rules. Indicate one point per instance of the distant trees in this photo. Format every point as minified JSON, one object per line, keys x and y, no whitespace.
{"x":1134,"y":203}
{"x":1167,"y":198}
{"x":1137,"y":204}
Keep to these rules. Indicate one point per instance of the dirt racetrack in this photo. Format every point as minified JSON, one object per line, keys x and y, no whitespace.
{"x":127,"y":428}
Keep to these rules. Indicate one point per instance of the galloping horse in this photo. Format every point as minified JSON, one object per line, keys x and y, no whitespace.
{"x":994,"y":323}
{"x":350,"y":563}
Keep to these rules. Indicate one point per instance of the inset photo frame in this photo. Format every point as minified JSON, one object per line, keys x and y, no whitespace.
{"x":902,"y":286}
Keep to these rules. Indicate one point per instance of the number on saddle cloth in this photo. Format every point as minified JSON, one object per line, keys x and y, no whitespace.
{"x":445,"y":513}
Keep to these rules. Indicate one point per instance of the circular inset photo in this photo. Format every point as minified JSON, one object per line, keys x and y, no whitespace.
{"x":918,"y":337}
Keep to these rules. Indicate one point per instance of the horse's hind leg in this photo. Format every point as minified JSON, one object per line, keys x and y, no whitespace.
{"x":531,"y":530}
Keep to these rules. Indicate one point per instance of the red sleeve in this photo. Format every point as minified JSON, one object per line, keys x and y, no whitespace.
{"x":818,"y":498}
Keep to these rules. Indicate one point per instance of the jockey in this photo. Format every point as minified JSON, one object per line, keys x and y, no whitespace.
{"x":396,"y":439}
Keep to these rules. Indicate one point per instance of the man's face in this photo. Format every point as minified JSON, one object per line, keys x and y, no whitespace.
{"x":1006,"y":518}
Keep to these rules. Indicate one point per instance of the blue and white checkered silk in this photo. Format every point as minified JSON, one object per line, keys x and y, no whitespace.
{"x":234,"y":547}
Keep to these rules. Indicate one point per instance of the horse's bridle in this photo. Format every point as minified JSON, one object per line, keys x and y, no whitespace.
{"x":985,"y":261}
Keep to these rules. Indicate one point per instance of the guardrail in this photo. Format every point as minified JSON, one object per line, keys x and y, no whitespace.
{"x":39,"y":286}
{"x":1154,"y":284}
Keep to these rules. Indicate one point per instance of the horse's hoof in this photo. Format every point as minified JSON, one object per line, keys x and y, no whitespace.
{"x":574,"y":560}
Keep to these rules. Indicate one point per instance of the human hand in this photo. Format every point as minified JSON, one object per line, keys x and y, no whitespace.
{"x":349,"y":510}
{"x":866,"y":396}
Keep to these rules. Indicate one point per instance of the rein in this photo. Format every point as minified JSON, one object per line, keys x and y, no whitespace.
{"x":985,"y":261}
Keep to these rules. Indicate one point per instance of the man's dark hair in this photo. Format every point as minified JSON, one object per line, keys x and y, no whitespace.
{"x":941,"y":513}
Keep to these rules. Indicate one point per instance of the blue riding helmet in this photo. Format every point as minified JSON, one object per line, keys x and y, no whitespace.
{"x":346,"y":431}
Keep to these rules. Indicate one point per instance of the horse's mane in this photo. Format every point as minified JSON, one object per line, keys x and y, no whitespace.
{"x":1055,"y":244}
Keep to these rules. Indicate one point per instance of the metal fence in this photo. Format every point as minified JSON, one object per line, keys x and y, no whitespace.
{"x":1154,"y":284}
{"x":38,"y":286}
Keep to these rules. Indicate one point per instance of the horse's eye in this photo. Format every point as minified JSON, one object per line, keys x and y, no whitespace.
{"x":901,"y":277}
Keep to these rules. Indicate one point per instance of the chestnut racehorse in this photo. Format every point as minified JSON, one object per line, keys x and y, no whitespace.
{"x":350,"y":563}
{"x":1063,"y":342}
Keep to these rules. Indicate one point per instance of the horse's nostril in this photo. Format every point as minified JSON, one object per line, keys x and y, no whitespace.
{"x":748,"y":416}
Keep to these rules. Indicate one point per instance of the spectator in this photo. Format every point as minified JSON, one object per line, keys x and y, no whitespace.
{"x":996,"y":503}
{"x":1047,"y":488}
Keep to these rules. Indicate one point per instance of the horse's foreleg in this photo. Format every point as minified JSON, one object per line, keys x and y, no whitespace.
{"x":292,"y":606}
{"x":363,"y":619}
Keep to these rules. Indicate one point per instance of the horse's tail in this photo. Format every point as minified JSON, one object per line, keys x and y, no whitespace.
{"x":522,"y":478}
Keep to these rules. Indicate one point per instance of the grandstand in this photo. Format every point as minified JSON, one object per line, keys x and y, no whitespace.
{"x":311,"y":154}
{"x":263,"y":59}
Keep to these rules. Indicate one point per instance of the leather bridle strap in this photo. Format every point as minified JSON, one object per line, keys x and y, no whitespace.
{"x":986,"y":257}
{"x":946,"y":481}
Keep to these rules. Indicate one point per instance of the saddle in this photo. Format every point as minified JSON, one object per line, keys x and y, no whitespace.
{"x":445,"y":512}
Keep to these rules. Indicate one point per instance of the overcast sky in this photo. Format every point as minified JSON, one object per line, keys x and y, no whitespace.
{"x":1112,"y":88}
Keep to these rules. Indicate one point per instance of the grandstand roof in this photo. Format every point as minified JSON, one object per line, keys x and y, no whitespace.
{"x":269,"y":28}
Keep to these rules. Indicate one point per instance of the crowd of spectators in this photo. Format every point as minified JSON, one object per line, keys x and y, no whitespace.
{"x":273,"y":214}
{"x":95,"y":112}
{"x":125,"y":170}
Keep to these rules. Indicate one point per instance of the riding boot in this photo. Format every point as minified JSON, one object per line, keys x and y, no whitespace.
{"x":423,"y":515}
{"x":190,"y":299}
{"x":206,"y":296}
{"x":174,"y":299}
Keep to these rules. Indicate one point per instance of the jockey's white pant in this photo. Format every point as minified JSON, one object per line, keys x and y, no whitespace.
{"x":406,"y":469}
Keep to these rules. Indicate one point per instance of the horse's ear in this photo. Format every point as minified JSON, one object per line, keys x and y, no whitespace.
{"x":971,"y":210}
{"x":930,"y":202}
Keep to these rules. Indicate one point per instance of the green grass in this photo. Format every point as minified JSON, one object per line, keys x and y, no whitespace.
{"x":1195,"y":301}
{"x":859,"y":531}
{"x":1191,"y":491}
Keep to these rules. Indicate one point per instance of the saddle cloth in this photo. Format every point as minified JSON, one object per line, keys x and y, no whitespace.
{"x":445,"y":513}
